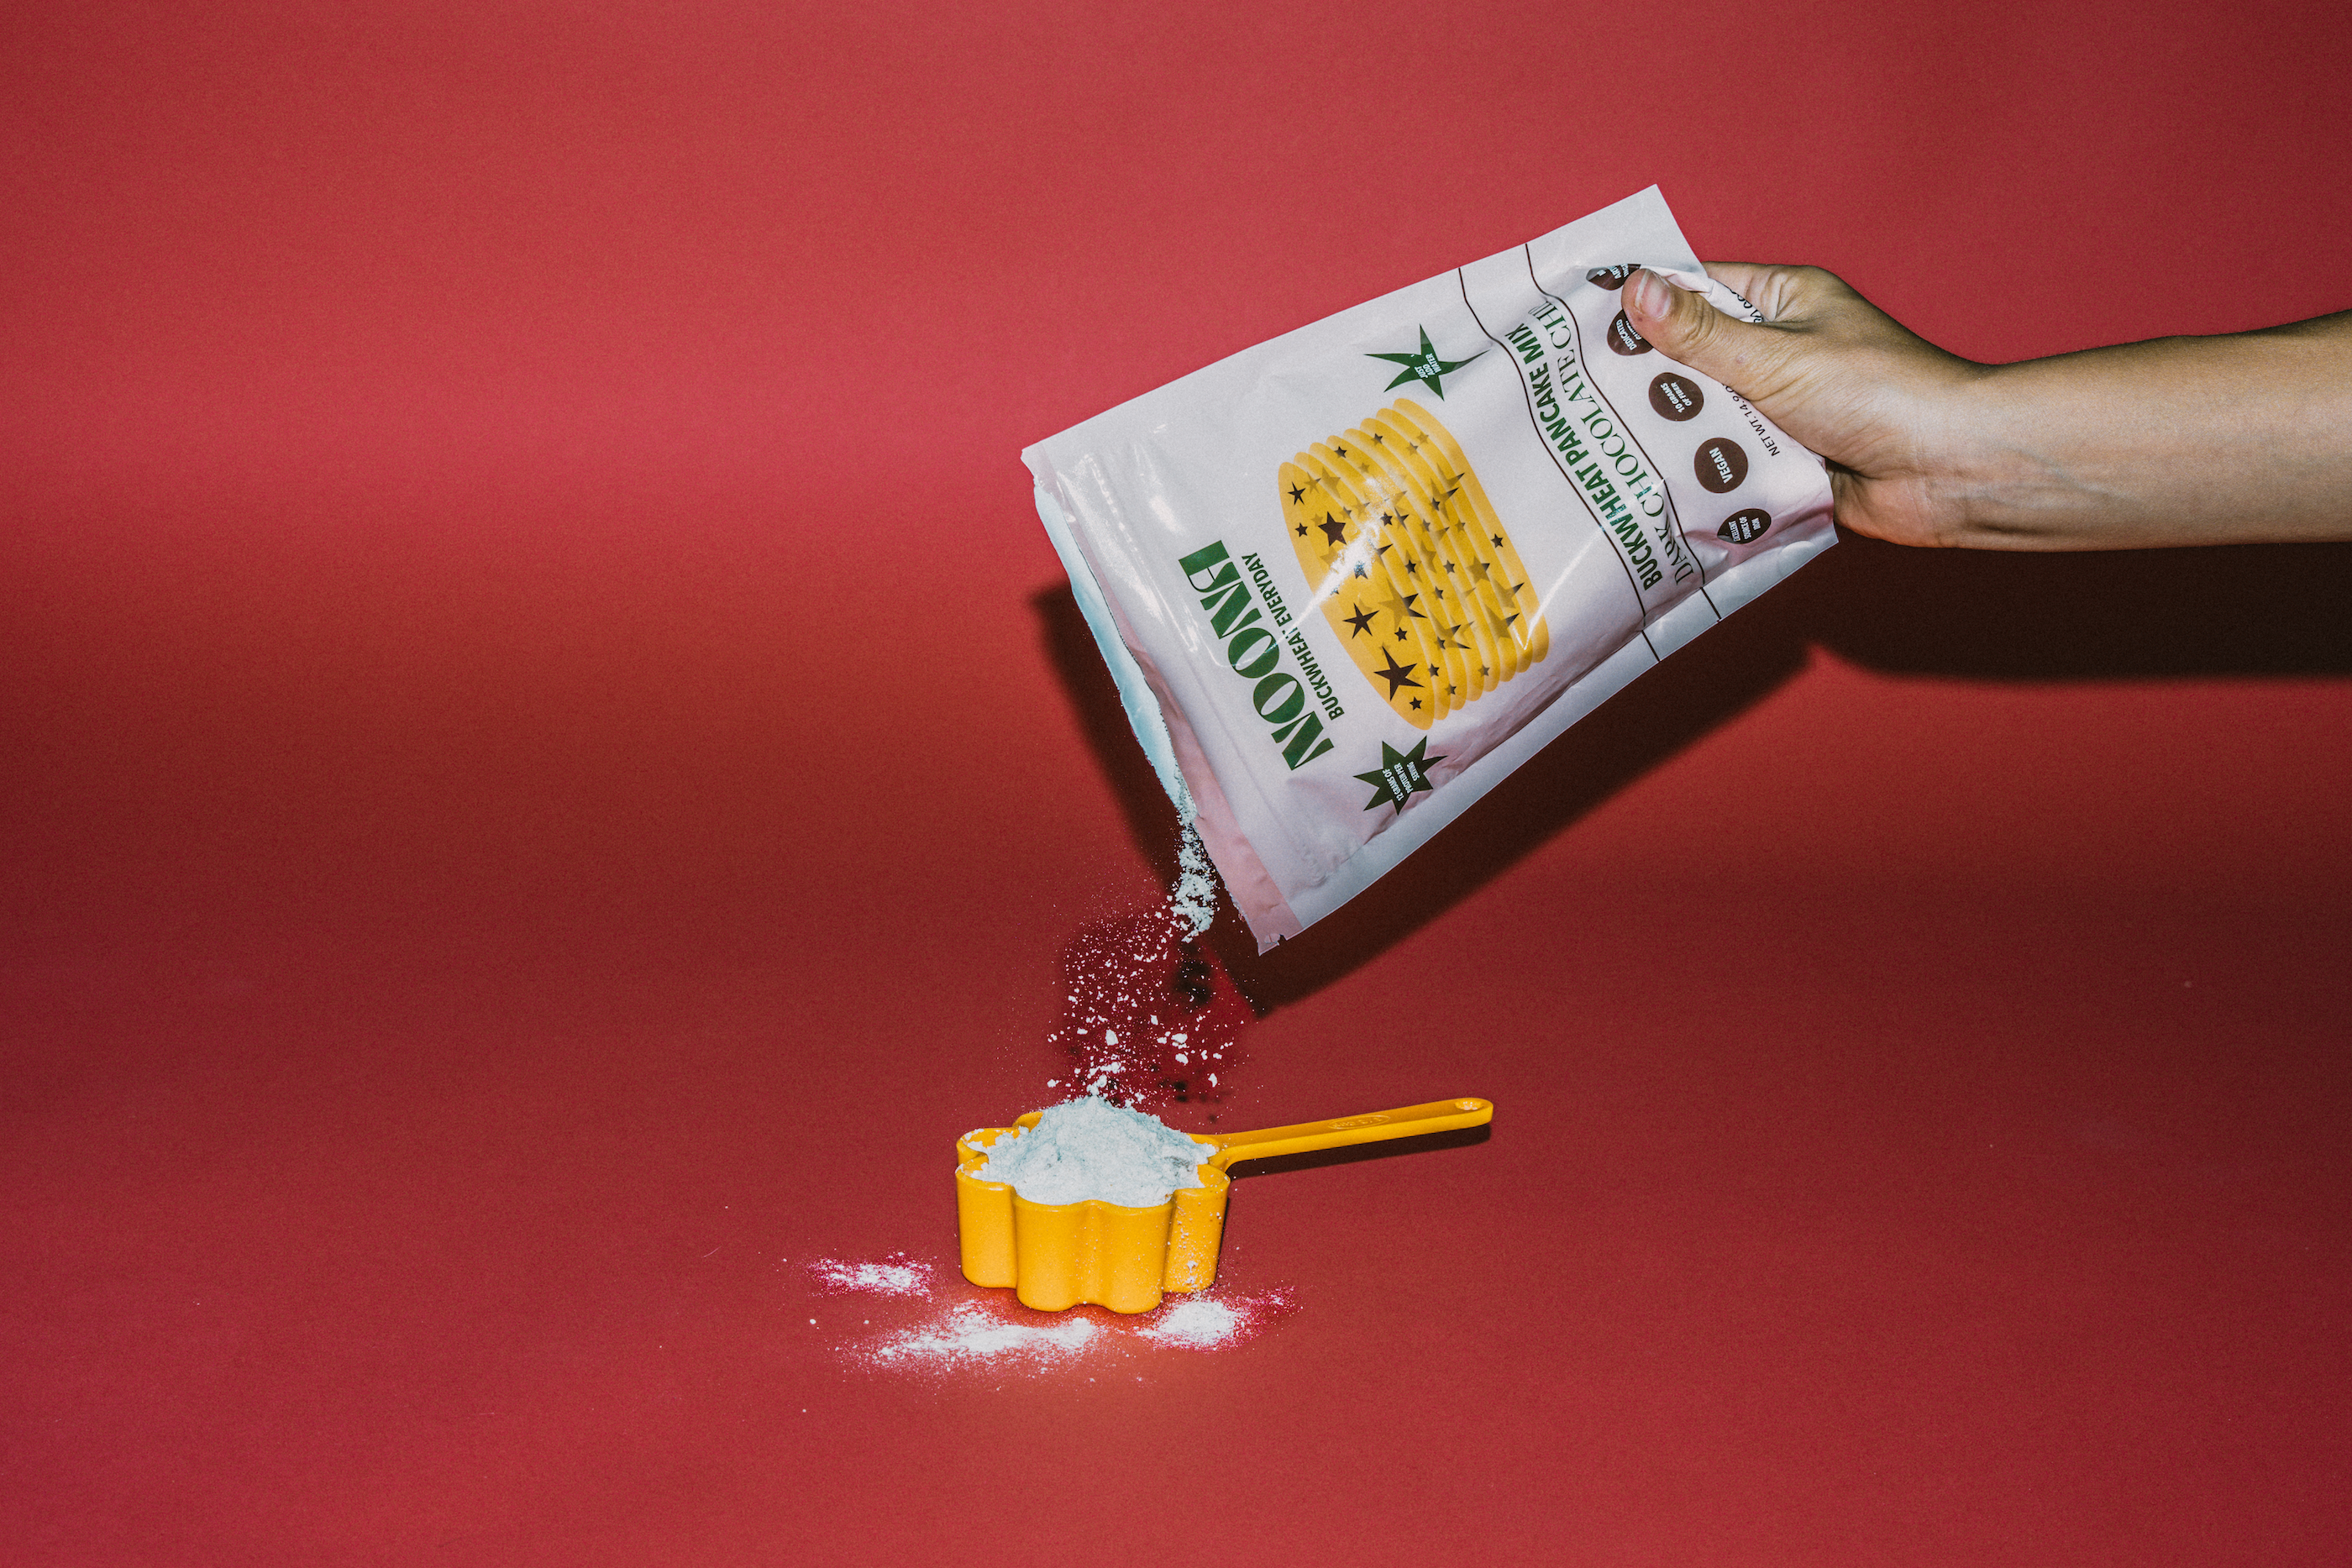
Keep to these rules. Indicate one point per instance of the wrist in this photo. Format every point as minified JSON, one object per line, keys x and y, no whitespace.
{"x":1990,"y":480}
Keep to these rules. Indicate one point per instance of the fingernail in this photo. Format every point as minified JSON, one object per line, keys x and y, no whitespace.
{"x":1647,"y":293}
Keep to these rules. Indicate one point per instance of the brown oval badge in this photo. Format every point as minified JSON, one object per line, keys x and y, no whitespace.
{"x":1720,"y":464}
{"x":1624,"y":340}
{"x":1611,"y":277}
{"x":1744,"y":528}
{"x":1675,"y":397}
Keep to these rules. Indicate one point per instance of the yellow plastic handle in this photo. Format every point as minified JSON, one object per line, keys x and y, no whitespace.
{"x":1407,"y":1122}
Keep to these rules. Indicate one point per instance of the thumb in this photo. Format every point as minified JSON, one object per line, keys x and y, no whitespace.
{"x":1683,"y":325}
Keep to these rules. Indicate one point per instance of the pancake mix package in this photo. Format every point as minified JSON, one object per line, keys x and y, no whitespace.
{"x":1350,"y":578}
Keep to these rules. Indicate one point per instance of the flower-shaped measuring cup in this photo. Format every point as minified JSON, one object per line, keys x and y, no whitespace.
{"x":1056,"y":1255}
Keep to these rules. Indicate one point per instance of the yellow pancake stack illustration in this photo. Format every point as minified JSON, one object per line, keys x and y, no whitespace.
{"x":1412,"y":568}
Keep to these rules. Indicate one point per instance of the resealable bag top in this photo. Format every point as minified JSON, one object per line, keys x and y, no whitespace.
{"x":1350,"y":578}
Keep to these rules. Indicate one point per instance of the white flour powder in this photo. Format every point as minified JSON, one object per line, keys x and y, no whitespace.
{"x":1193,"y":898}
{"x":1197,"y":1323}
{"x":1091,"y":1149}
{"x":995,"y":1335}
{"x":895,"y":1276}
{"x":969,"y":1334}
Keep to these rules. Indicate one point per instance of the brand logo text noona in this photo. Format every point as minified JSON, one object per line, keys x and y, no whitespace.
{"x":1254,"y":651}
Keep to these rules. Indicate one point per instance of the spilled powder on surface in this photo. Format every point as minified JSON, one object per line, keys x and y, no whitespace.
{"x":897,"y":1275}
{"x":1091,"y":1149}
{"x":994,"y":1332}
{"x":1197,"y":1324}
{"x":1215,"y":1322}
{"x":971,"y":1333}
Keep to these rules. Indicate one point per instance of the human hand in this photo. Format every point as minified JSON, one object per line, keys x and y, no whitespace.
{"x":1884,"y":407}
{"x":2242,"y":438}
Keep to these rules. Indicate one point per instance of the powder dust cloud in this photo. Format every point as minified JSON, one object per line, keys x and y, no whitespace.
{"x":1149,"y":1016}
{"x":1149,"y":1020}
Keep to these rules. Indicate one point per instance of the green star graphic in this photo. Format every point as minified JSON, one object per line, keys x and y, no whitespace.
{"x":1400,"y":775}
{"x":1424,"y":367}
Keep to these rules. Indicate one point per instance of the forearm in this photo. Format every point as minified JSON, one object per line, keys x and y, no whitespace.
{"x":2246,"y":438}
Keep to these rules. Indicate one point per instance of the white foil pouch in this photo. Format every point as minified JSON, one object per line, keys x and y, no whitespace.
{"x":1350,"y":578}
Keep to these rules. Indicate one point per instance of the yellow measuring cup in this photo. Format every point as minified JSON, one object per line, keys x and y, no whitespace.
{"x":1056,"y":1255}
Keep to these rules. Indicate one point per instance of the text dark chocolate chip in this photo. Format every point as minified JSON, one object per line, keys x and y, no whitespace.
{"x":1720,"y":464}
{"x":1611,"y":277}
{"x":1676,"y":396}
{"x":1624,"y":340}
{"x":1744,"y":527}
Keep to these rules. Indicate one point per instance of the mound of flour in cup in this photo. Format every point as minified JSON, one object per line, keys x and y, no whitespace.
{"x":1091,"y":1149}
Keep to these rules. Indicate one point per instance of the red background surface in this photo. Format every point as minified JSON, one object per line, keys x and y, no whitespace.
{"x":548,"y":771}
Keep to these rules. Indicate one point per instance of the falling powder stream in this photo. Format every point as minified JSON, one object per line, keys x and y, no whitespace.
{"x":1148,"y":1015}
{"x":1193,"y":899}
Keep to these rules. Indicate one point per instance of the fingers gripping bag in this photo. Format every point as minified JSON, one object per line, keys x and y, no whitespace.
{"x":1350,"y":578}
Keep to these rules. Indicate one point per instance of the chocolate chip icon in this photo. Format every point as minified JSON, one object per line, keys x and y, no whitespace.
{"x":1744,"y":527}
{"x":1675,"y":397}
{"x":1720,"y":464}
{"x":1611,"y":277}
{"x":1624,"y":340}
